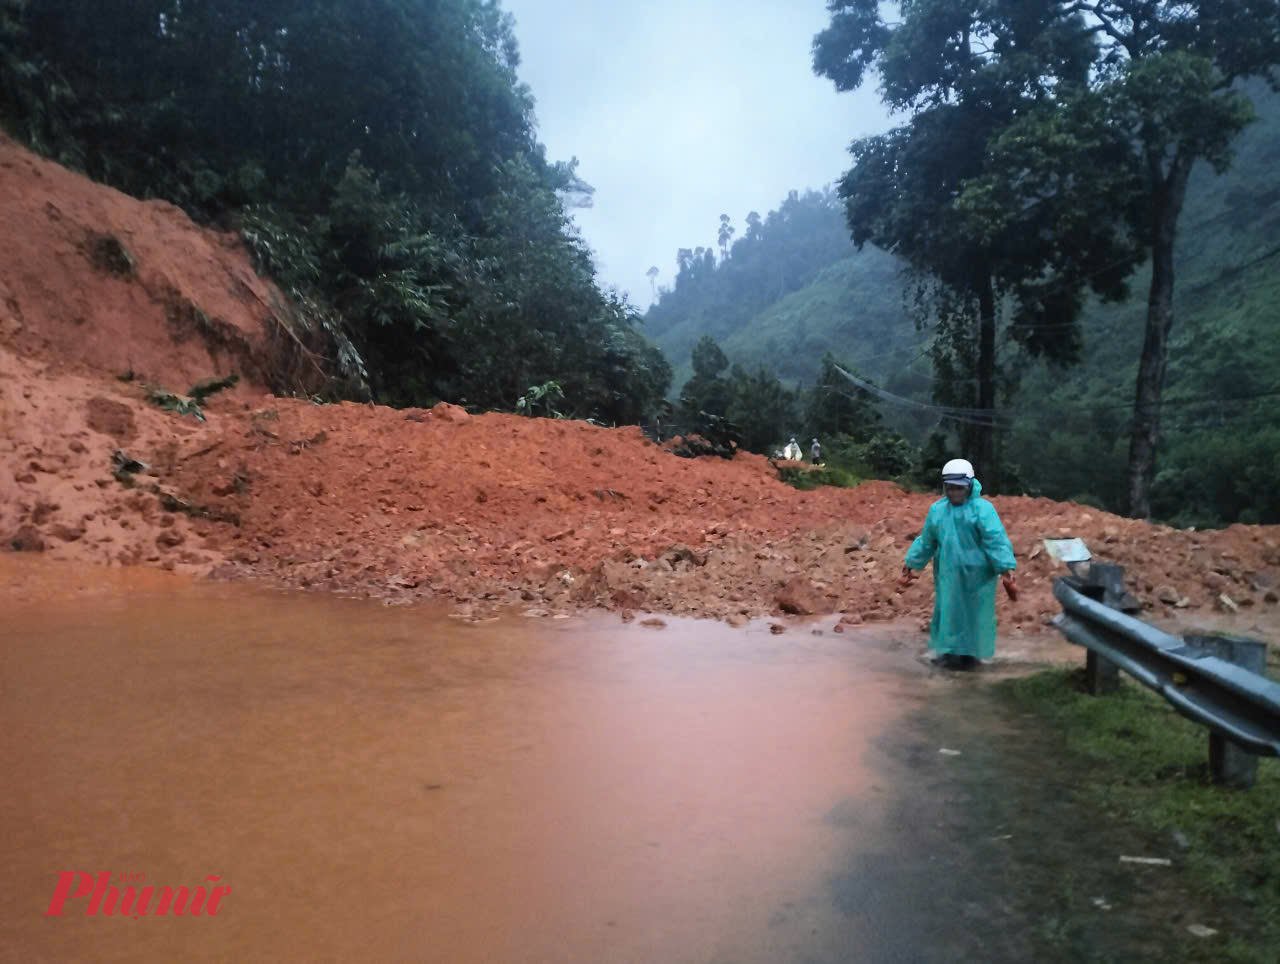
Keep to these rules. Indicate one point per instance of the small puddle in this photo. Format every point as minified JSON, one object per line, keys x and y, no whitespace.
{"x":389,"y":784}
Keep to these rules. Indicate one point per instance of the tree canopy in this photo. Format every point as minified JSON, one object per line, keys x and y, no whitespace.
{"x":380,"y":156}
{"x":1048,"y":151}
{"x":1168,"y":74}
{"x":931,"y":192}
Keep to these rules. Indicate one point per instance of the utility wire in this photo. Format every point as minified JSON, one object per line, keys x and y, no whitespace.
{"x":989,"y":416}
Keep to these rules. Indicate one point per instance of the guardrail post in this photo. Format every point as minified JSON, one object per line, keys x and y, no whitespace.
{"x":1101,"y":675}
{"x":1229,"y":762}
{"x":1105,"y":583}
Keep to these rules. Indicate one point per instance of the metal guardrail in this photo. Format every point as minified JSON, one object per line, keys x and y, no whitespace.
{"x":1218,"y":682}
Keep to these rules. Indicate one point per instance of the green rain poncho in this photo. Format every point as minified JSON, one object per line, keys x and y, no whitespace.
{"x":969,"y":548}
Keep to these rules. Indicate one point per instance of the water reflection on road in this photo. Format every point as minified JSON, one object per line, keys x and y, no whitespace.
{"x":387,"y":784}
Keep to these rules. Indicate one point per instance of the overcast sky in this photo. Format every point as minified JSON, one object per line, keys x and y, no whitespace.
{"x":680,"y":110}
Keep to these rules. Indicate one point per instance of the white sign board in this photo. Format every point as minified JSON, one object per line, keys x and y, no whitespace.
{"x":1068,"y":550}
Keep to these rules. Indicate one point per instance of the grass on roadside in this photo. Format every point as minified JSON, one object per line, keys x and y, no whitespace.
{"x":1150,"y":769}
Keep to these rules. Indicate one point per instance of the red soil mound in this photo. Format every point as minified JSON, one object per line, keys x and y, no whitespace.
{"x":496,"y":508}
{"x":482,"y":510}
{"x":90,"y":275}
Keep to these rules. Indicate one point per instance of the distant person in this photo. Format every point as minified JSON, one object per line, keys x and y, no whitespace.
{"x":965,"y":539}
{"x":792,"y":451}
{"x":815,"y":450}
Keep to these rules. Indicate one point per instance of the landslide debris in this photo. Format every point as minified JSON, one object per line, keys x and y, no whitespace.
{"x":102,"y":295}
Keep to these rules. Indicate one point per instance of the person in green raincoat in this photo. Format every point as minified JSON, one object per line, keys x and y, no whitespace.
{"x":966,"y":542}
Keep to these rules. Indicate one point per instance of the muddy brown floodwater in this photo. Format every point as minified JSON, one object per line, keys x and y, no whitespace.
{"x":390,"y":784}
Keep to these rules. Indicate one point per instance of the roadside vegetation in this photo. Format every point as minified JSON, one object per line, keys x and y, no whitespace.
{"x":1147,"y":768}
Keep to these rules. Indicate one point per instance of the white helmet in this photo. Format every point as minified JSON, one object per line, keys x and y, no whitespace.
{"x":957,"y":472}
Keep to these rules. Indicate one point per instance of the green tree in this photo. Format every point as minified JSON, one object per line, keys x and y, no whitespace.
{"x":965,"y":72}
{"x":724,"y":236}
{"x":707,"y":391}
{"x":1168,"y":73}
{"x":837,"y":407}
{"x":381,"y":161}
{"x":761,"y":407}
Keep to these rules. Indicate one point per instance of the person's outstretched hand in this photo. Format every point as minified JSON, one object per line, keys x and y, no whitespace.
{"x":1010,"y":586}
{"x":905,"y":579}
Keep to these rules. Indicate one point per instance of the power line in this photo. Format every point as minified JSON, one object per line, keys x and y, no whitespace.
{"x":922,"y":345}
{"x":1171,"y":402}
{"x":1235,"y":269}
{"x":991,"y":416}
{"x":902,"y":400}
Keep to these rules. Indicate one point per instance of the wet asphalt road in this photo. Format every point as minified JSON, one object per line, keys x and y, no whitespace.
{"x":393,"y":785}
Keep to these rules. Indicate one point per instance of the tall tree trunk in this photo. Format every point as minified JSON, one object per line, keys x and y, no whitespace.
{"x":984,"y":435}
{"x":1145,"y":438}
